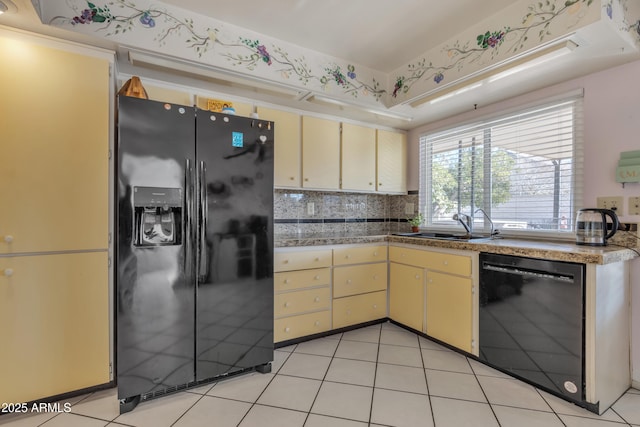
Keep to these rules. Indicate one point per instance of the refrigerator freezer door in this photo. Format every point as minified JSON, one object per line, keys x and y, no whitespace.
{"x":234,"y":306}
{"x":154,"y":283}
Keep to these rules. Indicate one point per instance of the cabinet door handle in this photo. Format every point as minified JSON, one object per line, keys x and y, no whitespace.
{"x":375,"y":277}
{"x":8,"y":272}
{"x":348,"y":312}
{"x":316,"y":299}
{"x":286,"y":304}
{"x":375,"y":253}
{"x":445,"y":262}
{"x":375,"y":306}
{"x":287,"y":329}
{"x":317,"y":277}
{"x":8,"y":238}
{"x":347,"y":256}
{"x":348,"y":281}
{"x":417,"y":276}
{"x":306,"y":179}
{"x":316,"y":323}
{"x":317,"y":259}
{"x":291,"y":178}
{"x":286,"y":261}
{"x":287,"y":281}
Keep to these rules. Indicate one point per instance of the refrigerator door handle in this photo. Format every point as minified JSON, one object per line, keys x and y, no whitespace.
{"x":188,"y":218}
{"x":204,"y":213}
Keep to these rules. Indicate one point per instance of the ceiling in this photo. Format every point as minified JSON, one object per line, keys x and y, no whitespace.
{"x":380,"y":34}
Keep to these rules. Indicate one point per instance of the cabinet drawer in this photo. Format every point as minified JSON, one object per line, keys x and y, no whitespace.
{"x":298,"y":302}
{"x":407,"y":256}
{"x":342,"y":256}
{"x":290,"y":280}
{"x":448,"y":263}
{"x":301,"y":260}
{"x":358,"y":279}
{"x":292,"y":327}
{"x":359,"y":308}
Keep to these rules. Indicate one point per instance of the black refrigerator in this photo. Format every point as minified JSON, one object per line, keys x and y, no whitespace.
{"x":194,"y":249}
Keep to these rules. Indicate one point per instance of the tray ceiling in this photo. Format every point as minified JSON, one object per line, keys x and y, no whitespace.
{"x":380,"y":34}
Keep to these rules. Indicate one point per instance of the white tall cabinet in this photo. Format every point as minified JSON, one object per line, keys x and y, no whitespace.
{"x":54,"y":221}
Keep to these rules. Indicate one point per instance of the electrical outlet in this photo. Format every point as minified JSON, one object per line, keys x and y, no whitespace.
{"x":634,"y":205}
{"x":311,"y":208}
{"x":408,"y":208}
{"x":613,"y":203}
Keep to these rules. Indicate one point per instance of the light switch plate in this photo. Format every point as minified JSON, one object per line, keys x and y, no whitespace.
{"x":634,"y":205}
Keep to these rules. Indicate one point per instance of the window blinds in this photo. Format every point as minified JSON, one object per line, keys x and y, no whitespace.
{"x":524,"y":169}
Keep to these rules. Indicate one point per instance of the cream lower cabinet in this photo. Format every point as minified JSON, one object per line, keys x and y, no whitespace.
{"x":359,"y":284}
{"x":433,"y":291}
{"x":362,"y":308}
{"x":302,"y":299}
{"x":55,"y":314}
{"x":406,"y":295}
{"x":450,"y":309}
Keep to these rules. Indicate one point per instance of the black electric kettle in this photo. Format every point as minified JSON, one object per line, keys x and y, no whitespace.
{"x":591,"y":226}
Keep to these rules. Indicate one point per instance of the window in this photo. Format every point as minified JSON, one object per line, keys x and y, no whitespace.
{"x":523,"y":169}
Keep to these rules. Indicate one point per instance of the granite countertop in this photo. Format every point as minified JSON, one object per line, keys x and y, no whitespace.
{"x":544,"y":249}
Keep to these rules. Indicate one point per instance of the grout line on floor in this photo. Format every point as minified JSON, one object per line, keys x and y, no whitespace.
{"x":483,"y":392}
{"x":321,"y":381}
{"x":375,"y":373}
{"x":424,"y":370}
{"x":255,"y":402}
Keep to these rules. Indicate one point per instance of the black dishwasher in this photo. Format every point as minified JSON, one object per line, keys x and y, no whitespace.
{"x":532,"y":321}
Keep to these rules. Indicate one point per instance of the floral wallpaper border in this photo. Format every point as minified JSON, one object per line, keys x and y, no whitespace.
{"x":174,"y":31}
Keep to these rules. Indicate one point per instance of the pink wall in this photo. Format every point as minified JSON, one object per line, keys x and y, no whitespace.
{"x":612,"y":125}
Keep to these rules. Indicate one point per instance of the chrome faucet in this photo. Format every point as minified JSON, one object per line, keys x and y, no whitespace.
{"x":493,"y":231}
{"x":468,"y":225}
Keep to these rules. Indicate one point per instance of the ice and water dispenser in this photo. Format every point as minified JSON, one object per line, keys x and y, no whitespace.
{"x":158,"y":216}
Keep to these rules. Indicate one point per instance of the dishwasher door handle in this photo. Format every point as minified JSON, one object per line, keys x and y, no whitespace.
{"x":528,"y":273}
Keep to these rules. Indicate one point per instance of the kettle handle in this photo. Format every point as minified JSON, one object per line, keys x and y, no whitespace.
{"x":614,"y":219}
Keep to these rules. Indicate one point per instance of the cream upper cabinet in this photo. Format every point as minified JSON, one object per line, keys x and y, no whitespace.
{"x":320,"y":153}
{"x":358,"y":158}
{"x":391,"y":162}
{"x":54,"y":169}
{"x":55,"y":314}
{"x":287,"y":167}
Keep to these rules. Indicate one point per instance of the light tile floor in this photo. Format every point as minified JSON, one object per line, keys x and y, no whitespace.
{"x":376,"y":376}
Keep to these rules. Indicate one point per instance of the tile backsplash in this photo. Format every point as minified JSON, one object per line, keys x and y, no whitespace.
{"x":303,"y":211}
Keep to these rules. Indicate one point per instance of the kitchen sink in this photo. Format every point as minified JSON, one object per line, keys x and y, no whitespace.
{"x":444,"y":236}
